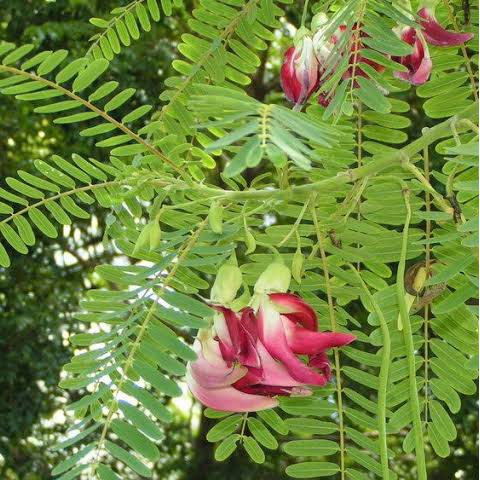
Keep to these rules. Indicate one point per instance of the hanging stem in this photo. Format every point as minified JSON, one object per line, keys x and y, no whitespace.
{"x":333,"y":324}
{"x":304,"y":14}
{"x":428,"y":231}
{"x":383,"y":378}
{"x":407,"y":335}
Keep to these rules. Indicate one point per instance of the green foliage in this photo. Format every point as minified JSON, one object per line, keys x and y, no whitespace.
{"x":341,"y":198}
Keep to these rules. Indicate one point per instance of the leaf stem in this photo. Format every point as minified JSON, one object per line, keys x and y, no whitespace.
{"x":187,"y":246}
{"x":304,"y":14}
{"x":463,"y":48}
{"x":99,"y":111}
{"x":407,"y":335}
{"x":67,"y":193}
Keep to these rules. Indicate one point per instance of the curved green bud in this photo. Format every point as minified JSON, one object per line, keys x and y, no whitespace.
{"x":276,"y":278}
{"x":227,"y":283}
{"x":215,"y":218}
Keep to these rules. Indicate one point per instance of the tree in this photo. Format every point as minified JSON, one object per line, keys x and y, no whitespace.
{"x":377,"y":245}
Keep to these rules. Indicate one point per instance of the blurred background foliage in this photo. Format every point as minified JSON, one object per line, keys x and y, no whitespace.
{"x":40,"y":293}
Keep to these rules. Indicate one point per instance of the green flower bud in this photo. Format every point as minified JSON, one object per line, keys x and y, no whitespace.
{"x":276,"y":278}
{"x":215,"y":218}
{"x":227,"y":283}
{"x":155,"y":235}
{"x":318,"y":21}
{"x":297,"y":265}
{"x":143,"y":240}
{"x":250,"y":241}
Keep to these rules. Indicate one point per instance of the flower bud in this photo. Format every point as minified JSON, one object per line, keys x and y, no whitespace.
{"x":143,"y":240}
{"x":299,"y":72}
{"x":215,"y":218}
{"x":227,"y":283}
{"x":276,"y":278}
{"x":297,"y":265}
{"x":155,"y":235}
{"x":318,"y":21}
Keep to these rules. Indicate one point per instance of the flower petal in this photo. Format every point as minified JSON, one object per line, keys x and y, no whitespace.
{"x":296,"y":309}
{"x":210,"y":376}
{"x":306,"y":342}
{"x":422,"y":74}
{"x":437,"y":35}
{"x":272,"y":335}
{"x":321,"y":362}
{"x":227,"y":328}
{"x":290,"y":85}
{"x":248,"y":339}
{"x":229,"y":398}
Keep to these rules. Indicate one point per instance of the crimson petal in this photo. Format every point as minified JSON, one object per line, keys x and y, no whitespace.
{"x":306,"y":342}
{"x":296,"y":309}
{"x":435,"y":34}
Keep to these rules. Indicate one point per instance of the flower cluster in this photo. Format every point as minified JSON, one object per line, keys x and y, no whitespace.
{"x":250,"y":357}
{"x":303,"y":69}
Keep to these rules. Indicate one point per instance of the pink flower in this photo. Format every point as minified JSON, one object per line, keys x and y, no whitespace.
{"x":288,"y":328}
{"x":299,"y":72}
{"x":249,"y":358}
{"x":418,"y":62}
{"x":435,"y":34}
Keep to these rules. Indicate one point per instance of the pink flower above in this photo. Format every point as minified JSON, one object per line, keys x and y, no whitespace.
{"x":299,"y":72}
{"x":419,"y":63}
{"x":435,"y":34}
{"x":249,"y":358}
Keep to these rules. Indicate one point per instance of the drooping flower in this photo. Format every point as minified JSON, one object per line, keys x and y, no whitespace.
{"x":299,"y":72}
{"x":435,"y":34}
{"x":418,"y":63}
{"x":248,"y":359}
{"x":287,"y":327}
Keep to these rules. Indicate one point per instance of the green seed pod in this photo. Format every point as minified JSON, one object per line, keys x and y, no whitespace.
{"x":215,"y":218}
{"x":297,"y":265}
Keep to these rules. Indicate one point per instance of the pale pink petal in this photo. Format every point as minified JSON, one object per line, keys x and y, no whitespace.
{"x":229,"y":399}
{"x":422,"y":75}
{"x":210,"y":376}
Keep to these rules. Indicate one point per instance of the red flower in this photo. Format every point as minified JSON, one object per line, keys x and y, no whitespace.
{"x":435,"y":34}
{"x":247,"y":359}
{"x":299,"y":72}
{"x":419,"y":63}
